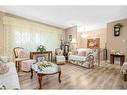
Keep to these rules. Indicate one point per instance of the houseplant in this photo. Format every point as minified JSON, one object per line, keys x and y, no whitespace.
{"x":41,"y":48}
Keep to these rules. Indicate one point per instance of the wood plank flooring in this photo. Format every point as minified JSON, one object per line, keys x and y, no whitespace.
{"x":106,"y":76}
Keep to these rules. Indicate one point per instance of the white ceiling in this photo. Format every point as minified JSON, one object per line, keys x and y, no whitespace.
{"x":66,"y":16}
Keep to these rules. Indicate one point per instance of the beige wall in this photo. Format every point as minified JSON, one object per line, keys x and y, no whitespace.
{"x":98,"y":33}
{"x":82,"y":42}
{"x":116,"y":43}
{"x":71,"y":31}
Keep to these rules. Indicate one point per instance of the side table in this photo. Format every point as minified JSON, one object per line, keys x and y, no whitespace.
{"x":122,"y":58}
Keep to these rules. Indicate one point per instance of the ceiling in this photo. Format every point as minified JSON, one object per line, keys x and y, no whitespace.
{"x":66,"y":16}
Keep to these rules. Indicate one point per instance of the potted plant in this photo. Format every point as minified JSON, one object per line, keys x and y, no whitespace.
{"x":41,"y":48}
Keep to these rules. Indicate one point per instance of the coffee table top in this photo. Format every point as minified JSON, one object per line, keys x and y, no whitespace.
{"x":50,"y":69}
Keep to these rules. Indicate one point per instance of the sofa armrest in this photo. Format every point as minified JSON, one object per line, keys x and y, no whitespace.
{"x":90,"y":58}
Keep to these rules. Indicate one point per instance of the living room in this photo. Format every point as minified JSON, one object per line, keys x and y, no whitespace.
{"x":76,"y":48}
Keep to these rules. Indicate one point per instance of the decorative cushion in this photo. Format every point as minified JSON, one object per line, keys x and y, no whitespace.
{"x":4,"y":59}
{"x":3,"y":68}
{"x":40,"y":58}
{"x":81,"y":53}
{"x":85,"y":50}
{"x":22,"y":53}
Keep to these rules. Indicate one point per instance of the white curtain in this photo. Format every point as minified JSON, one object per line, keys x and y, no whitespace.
{"x":29,"y":35}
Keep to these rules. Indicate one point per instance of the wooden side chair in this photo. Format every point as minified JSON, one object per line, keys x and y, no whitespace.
{"x":22,"y":60}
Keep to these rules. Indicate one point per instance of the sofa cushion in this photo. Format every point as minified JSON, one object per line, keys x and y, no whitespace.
{"x":83,"y":51}
{"x":3,"y":68}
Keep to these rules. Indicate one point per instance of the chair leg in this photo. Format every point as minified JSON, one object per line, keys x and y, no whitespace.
{"x":19,"y":65}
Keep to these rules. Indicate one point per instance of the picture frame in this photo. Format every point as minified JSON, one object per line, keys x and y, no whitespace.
{"x":117,"y":28}
{"x":93,"y":43}
{"x":70,"y":38}
{"x":116,"y":31}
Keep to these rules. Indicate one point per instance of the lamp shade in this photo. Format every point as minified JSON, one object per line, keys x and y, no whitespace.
{"x":84,"y":35}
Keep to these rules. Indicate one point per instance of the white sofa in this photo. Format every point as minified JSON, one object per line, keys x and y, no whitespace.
{"x":84,"y":57}
{"x":10,"y":79}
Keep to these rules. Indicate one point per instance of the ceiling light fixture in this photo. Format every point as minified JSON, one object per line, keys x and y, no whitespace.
{"x":84,"y":35}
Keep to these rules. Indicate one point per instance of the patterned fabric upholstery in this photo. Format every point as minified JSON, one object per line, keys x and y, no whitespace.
{"x":60,"y":59}
{"x":124,"y":68}
{"x":21,"y":56}
{"x":3,"y":68}
{"x":85,"y":61}
{"x":26,"y":65}
{"x":22,"y":53}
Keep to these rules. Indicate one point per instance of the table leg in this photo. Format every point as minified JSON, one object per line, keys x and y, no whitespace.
{"x":122,"y":59}
{"x":51,"y":56}
{"x":111,"y":59}
{"x":125,"y":77}
{"x":40,"y":81}
{"x":31,"y":73}
{"x":59,"y":77}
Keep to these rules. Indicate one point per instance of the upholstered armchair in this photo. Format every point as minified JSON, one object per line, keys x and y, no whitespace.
{"x":60,"y":58}
{"x":124,"y":70}
{"x":22,"y":60}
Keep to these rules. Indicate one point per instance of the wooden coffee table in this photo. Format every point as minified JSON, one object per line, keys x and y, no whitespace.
{"x":53,"y":69}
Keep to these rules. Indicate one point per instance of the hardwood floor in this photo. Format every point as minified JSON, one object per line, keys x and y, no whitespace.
{"x":106,"y":76}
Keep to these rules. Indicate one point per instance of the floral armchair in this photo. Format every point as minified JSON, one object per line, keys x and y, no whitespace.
{"x":22,"y":60}
{"x":83,"y":57}
{"x":60,"y":58}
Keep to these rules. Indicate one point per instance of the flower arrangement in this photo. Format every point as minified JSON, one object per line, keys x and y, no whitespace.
{"x":41,"y":48}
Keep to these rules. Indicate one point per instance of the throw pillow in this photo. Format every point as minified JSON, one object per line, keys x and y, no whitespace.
{"x":22,"y":54}
{"x":81,"y":53}
{"x":4,"y":59}
{"x":3,"y":68}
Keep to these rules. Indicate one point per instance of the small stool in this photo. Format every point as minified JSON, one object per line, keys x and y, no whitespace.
{"x":26,"y":64}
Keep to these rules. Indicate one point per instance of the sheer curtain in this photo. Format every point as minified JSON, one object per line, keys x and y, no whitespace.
{"x":29,"y":35}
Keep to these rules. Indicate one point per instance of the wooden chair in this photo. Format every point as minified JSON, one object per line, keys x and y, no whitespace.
{"x":22,"y":60}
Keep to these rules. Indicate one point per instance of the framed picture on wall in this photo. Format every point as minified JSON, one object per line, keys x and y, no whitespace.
{"x":93,"y":43}
{"x":70,"y":38}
